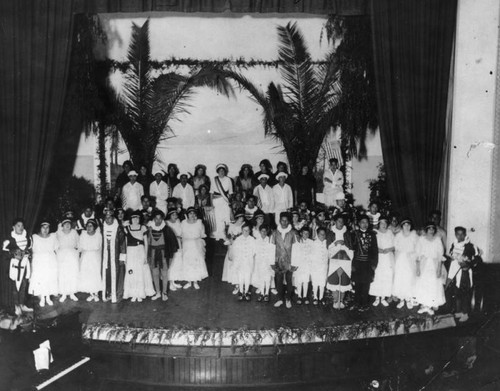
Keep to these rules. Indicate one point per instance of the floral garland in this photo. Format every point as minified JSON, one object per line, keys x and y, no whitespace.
{"x":123,"y":66}
{"x":245,"y":339}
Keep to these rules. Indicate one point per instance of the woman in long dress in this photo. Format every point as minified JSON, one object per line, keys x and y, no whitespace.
{"x":175,"y":269}
{"x":234,"y":230}
{"x":381,"y":287}
{"x":200,"y":178}
{"x":405,"y":268}
{"x":90,"y":247}
{"x":193,"y":249}
{"x":68,"y":260}
{"x":222,"y":191}
{"x":429,"y":290}
{"x":138,"y":282}
{"x":44,"y":276}
{"x":245,"y":182}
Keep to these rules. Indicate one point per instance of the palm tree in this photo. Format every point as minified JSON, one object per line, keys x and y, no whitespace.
{"x":149,"y":103}
{"x":300,"y":112}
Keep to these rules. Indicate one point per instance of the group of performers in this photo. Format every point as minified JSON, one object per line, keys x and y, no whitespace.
{"x":276,"y":244}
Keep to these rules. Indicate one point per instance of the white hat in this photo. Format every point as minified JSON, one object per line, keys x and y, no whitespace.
{"x":221,"y":165}
{"x":158,"y":172}
{"x":132,"y":172}
{"x":184,"y":174}
{"x":280,"y":174}
{"x":340,"y":196}
{"x":261,"y":176}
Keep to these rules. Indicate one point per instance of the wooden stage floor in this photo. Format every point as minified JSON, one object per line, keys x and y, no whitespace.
{"x":214,"y":307}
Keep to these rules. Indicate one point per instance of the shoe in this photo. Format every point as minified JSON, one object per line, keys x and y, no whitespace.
{"x":174,"y":284}
{"x":422,"y":310}
{"x":257,"y":291}
{"x":90,"y":298}
{"x":196,"y":286}
{"x":266,"y":298}
{"x":299,"y":301}
{"x":341,"y":306}
{"x":464,"y":318}
{"x":376,"y":302}
{"x":315,"y":302}
{"x":62,"y":298}
{"x":139,"y":300}
{"x":173,"y":287}
{"x":26,"y":308}
{"x":41,"y":304}
{"x":96,"y":298}
{"x":306,"y":301}
{"x":73,"y":297}
{"x":187,"y":286}
{"x":260,"y":298}
{"x":133,"y":299}
{"x":401,"y":304}
{"x":279,"y":303}
{"x":430,"y":311}
{"x":274,"y":291}
{"x":288,"y":304}
{"x":236,"y":290}
{"x":384,"y":302}
{"x":48,"y":301}
{"x":156,"y":297}
{"x":241,"y":297}
{"x":409,"y":304}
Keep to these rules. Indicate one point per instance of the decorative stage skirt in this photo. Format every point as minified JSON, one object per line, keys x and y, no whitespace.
{"x":138,"y":280}
{"x":68,"y":270}
{"x":44,"y":279}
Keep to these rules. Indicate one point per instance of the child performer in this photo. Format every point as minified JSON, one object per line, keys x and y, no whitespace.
{"x":175,"y":270}
{"x":319,"y":268}
{"x":250,"y":208}
{"x":90,"y":247}
{"x":44,"y":282}
{"x":244,"y":250}
{"x":162,"y":245}
{"x":373,"y":214}
{"x":429,"y":290}
{"x":88,"y":213}
{"x":193,"y":249}
{"x":464,"y":257}
{"x":264,"y":259}
{"x":340,"y":262}
{"x":68,"y":260}
{"x":405,"y":244}
{"x":138,"y":283}
{"x":381,"y":286}
{"x":302,"y":260}
{"x":297,"y":222}
{"x":284,"y":237}
{"x":17,"y":248}
{"x":233,"y":231}
{"x":364,"y":242}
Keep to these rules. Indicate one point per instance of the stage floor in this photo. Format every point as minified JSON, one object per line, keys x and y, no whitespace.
{"x":214,"y":307}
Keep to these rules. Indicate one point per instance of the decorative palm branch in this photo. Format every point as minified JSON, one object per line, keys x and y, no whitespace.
{"x":300,"y":112}
{"x":150,"y":102}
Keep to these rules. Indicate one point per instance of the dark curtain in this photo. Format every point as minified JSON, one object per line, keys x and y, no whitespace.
{"x":412,"y":43}
{"x":35,"y":46}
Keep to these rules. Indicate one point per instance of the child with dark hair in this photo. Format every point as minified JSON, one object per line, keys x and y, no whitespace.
{"x":319,"y":267}
{"x":244,"y":250}
{"x":302,"y":261}
{"x":90,"y":247}
{"x":464,"y":258}
{"x":264,"y":259}
{"x":365,"y":247}
{"x":373,"y":214}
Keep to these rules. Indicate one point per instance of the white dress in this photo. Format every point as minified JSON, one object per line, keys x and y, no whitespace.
{"x":175,"y":268}
{"x":429,"y":290}
{"x":193,"y":251}
{"x":222,"y":209}
{"x":68,"y":261}
{"x":160,"y":191}
{"x":244,"y":249}
{"x":264,"y":259}
{"x":405,"y":267}
{"x":302,"y":258}
{"x":90,"y":247}
{"x":138,"y":280}
{"x":44,"y":276}
{"x":228,"y":271}
{"x":319,"y":267}
{"x":384,"y":273}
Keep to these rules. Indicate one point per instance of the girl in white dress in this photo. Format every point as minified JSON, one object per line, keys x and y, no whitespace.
{"x":319,"y":268}
{"x":193,"y":249}
{"x":405,"y":268}
{"x":429,"y":290}
{"x":381,"y":287}
{"x":68,"y":260}
{"x":264,"y":259}
{"x":175,"y":268}
{"x":222,"y":191}
{"x":138,"y":282}
{"x":244,"y":250}
{"x":90,"y":247}
{"x":233,"y":231}
{"x":302,"y":259}
{"x":44,"y":276}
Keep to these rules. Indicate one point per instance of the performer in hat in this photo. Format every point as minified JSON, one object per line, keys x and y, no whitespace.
{"x":90,"y":247}
{"x":244,"y":250}
{"x":68,"y":260}
{"x":132,"y":193}
{"x":381,"y":287}
{"x":282,"y":194}
{"x":159,"y":189}
{"x":265,"y":168}
{"x":221,"y":196}
{"x":265,"y":197}
{"x":184,"y":191}
{"x":175,"y":269}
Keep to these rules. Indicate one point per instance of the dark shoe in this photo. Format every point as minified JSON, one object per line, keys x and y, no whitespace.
{"x":259,"y":299}
{"x":266,"y":298}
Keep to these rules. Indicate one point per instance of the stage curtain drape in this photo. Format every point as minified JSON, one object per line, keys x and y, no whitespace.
{"x":35,"y":39}
{"x":412,"y":45}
